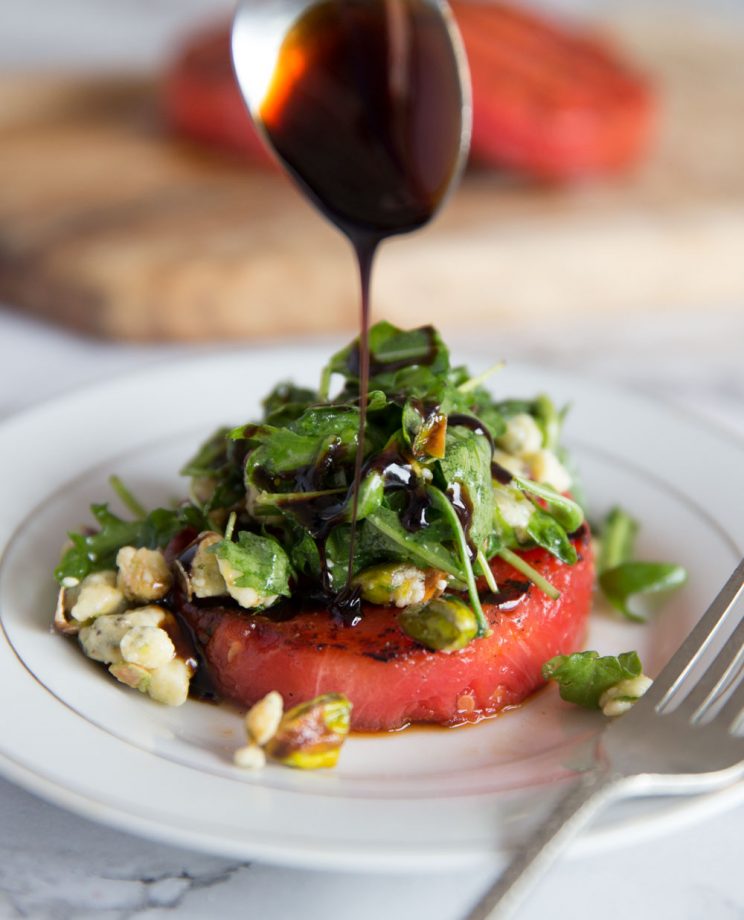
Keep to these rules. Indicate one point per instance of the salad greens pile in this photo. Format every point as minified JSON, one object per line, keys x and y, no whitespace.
{"x":430,"y":494}
{"x":451,"y":478}
{"x":95,"y":551}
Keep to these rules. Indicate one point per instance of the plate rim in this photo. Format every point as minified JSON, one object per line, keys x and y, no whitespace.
{"x":47,"y":788}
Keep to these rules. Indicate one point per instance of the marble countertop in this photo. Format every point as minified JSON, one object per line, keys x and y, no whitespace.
{"x":58,"y":866}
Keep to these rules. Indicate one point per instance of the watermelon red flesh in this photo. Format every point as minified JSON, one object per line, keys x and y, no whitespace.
{"x":201,"y":100}
{"x":547,"y":100}
{"x":390,"y":680}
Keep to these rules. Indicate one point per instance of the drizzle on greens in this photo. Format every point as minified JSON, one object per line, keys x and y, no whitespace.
{"x":428,"y":493}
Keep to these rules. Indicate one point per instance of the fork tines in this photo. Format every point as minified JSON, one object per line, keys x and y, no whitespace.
{"x":722,"y":672}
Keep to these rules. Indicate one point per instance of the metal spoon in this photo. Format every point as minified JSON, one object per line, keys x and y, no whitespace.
{"x":423,"y":86}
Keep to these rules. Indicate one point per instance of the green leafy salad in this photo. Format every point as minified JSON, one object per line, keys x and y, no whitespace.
{"x":450,"y":478}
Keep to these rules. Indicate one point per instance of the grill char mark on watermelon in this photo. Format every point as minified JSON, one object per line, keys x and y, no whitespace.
{"x":390,"y":679}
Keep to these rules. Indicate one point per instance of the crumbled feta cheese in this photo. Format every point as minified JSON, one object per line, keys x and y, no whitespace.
{"x":246,"y":597}
{"x":522,"y":435}
{"x":102,"y":638}
{"x":169,"y":684}
{"x":546,"y":468}
{"x":144,"y":574}
{"x":100,"y":641}
{"x":262,"y":719}
{"x":250,"y":757}
{"x":151,"y":615}
{"x":148,"y":646}
{"x":618,"y":699}
{"x":407,"y":586}
{"x":515,"y":509}
{"x":206,"y":579}
{"x":97,"y":595}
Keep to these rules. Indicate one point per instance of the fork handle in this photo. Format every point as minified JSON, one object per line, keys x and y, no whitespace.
{"x":593,"y":790}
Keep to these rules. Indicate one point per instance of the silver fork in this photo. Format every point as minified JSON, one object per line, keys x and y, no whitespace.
{"x":655,"y":749}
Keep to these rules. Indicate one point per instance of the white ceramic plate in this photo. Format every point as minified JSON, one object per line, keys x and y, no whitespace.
{"x":420,"y":799}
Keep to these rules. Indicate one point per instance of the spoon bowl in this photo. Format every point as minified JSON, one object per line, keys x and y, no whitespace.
{"x":366,"y":103}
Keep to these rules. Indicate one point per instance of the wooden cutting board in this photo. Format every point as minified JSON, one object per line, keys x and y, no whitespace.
{"x":109,"y":226}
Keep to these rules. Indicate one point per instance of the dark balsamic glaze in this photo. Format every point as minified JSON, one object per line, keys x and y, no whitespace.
{"x":354,"y":363}
{"x":500,"y":473}
{"x":474,"y":424}
{"x":190,"y":649}
{"x":460,"y":500}
{"x":509,"y":595}
{"x":413,"y":516}
{"x":365,"y":110}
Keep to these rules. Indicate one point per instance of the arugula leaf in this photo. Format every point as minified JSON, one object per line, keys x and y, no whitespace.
{"x":630,"y":579}
{"x":368,"y":550}
{"x":416,"y":547}
{"x":371,"y":491}
{"x":412,"y":383}
{"x":96,"y":551}
{"x":384,"y":540}
{"x":448,"y":512}
{"x":549,"y":420}
{"x":474,"y":383}
{"x":619,"y":532}
{"x":126,"y":497}
{"x":209,"y":458}
{"x":511,"y":407}
{"x":286,"y":402}
{"x":262,"y":563}
{"x":303,"y":554}
{"x":162,"y":524}
{"x":521,"y":565}
{"x":322,"y":421}
{"x":466,"y":471}
{"x":583,"y":677}
{"x":620,"y":577}
{"x":219,"y":461}
{"x":376,"y":401}
{"x":284,"y":451}
{"x":549,"y":534}
{"x":390,"y":350}
{"x":389,"y":345}
{"x":565,"y":511}
{"x":304,"y":441}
